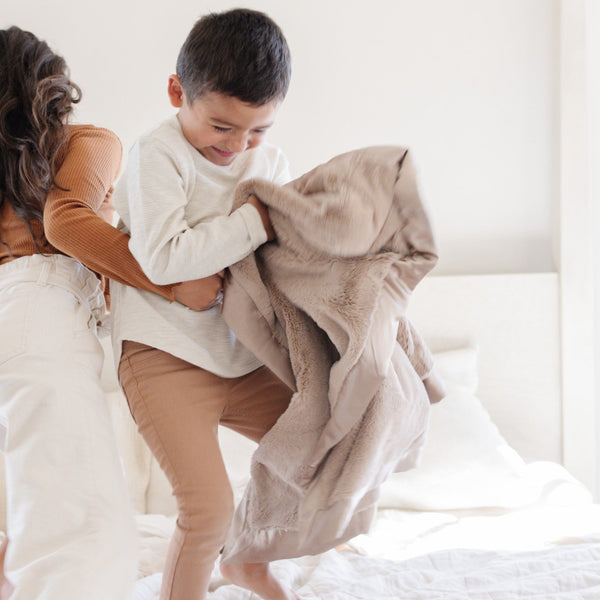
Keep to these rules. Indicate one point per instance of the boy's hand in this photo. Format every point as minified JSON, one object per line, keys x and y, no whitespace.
{"x":263,"y":211}
{"x":201,"y":294}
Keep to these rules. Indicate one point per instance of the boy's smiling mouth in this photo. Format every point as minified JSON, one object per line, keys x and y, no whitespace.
{"x":223,"y":153}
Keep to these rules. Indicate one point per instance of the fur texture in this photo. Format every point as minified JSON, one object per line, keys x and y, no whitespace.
{"x":323,"y":307}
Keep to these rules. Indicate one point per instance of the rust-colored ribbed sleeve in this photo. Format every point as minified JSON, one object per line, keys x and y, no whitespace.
{"x":77,"y":217}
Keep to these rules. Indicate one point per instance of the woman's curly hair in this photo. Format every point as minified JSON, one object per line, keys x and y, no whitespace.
{"x":36,"y":99}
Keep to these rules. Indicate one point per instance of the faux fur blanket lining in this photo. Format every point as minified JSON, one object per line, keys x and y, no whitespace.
{"x":323,"y":307}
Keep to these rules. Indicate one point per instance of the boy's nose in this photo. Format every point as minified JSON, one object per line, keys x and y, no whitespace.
{"x":239,"y":143}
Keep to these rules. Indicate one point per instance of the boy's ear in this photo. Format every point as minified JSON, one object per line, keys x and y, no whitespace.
{"x":175,"y":91}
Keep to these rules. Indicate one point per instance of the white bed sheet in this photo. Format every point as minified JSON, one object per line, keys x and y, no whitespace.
{"x":570,"y":571}
{"x":549,"y":549}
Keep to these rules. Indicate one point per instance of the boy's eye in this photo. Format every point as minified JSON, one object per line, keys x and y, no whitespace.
{"x":221,"y":129}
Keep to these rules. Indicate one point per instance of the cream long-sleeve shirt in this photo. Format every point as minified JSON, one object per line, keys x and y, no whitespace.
{"x":176,"y":206}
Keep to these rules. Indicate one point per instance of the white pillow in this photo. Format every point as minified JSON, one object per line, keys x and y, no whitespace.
{"x":465,"y":462}
{"x":458,"y":368}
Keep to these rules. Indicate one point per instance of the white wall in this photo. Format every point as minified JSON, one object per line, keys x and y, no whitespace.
{"x":593,"y":11}
{"x":578,"y":187}
{"x":469,"y":85}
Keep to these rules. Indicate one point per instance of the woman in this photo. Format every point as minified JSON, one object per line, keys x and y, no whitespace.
{"x":70,"y":526}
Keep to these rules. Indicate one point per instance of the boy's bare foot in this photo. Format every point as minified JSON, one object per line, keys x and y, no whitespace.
{"x":258,"y":578}
{"x":346,"y":548}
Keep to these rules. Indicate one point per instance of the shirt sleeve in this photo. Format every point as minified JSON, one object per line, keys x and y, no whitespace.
{"x":78,"y":209}
{"x":168,"y":247}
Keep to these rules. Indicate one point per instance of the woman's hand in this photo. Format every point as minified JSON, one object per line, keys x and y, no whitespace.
{"x":201,"y":294}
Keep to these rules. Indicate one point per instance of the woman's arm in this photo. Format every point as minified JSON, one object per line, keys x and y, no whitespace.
{"x":76,"y":216}
{"x":77,"y":219}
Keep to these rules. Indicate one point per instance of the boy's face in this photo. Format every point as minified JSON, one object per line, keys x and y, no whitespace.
{"x":221,"y":127}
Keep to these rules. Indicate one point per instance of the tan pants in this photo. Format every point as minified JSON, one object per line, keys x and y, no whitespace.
{"x":177,"y":407}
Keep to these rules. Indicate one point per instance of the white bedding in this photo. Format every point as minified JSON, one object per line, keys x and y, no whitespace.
{"x":569,"y":574}
{"x":447,"y":563}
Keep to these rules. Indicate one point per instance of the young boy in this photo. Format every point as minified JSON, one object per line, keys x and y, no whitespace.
{"x":183,"y":372}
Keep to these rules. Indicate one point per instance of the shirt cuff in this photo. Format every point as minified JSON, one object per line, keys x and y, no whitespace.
{"x":256,"y":231}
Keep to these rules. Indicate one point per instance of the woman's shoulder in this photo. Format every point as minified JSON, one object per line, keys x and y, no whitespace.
{"x":89,"y":144}
{"x":87,"y":132}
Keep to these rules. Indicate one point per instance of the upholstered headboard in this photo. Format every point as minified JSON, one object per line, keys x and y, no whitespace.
{"x":514,"y":322}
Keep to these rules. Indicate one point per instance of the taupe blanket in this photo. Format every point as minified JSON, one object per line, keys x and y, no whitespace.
{"x":324,"y":307}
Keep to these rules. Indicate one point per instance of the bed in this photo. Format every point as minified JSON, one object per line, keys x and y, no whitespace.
{"x":490,"y":513}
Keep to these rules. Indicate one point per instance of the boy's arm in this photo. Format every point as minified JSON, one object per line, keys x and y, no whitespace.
{"x":167,"y":247}
{"x":263,"y":211}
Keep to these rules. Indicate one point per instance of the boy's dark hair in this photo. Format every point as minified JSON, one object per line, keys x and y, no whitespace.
{"x":240,"y":53}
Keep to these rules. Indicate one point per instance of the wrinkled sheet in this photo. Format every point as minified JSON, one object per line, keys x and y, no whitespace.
{"x":548,"y":548}
{"x":568,"y":571}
